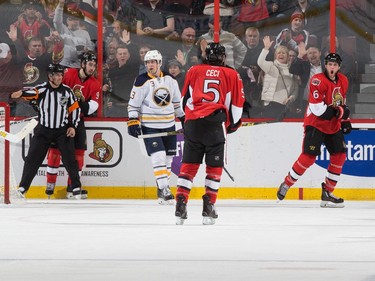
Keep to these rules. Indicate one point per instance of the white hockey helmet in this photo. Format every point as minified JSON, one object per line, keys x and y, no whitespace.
{"x":154,"y":55}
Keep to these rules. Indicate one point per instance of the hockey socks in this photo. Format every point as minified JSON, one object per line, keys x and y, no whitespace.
{"x":334,"y":169}
{"x":53,"y":163}
{"x":299,"y":167}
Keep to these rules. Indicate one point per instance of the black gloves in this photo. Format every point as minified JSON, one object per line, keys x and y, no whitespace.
{"x":340,"y":112}
{"x":346,"y":127}
{"x":134,"y":127}
{"x":233,"y":127}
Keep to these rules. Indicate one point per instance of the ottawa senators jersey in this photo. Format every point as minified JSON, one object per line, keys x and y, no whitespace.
{"x":323,"y":91}
{"x":88,"y":89}
{"x":209,"y":88}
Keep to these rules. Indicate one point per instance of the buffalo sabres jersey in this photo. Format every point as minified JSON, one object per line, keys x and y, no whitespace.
{"x":155,"y":100}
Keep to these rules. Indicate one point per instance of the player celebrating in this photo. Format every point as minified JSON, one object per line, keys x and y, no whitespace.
{"x":87,"y":89}
{"x":154,"y":103}
{"x":212,"y":95}
{"x":326,"y":120}
{"x":59,"y":114}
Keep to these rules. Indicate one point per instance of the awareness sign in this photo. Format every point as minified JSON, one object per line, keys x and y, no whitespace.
{"x":360,"y":156}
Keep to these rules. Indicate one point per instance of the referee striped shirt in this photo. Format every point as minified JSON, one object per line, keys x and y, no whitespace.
{"x":56,"y":105}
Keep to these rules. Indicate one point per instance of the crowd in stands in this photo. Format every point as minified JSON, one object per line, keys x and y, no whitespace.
{"x":275,"y":45}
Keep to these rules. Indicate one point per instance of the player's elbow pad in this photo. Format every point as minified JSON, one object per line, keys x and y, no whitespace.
{"x":329,"y":113}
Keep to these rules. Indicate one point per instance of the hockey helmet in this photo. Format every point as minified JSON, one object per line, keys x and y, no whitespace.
{"x":215,"y":54}
{"x":154,"y":55}
{"x":55,"y":68}
{"x":333,"y":57}
{"x":89,"y":56}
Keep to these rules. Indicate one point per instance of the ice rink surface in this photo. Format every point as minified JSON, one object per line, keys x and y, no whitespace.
{"x":138,"y":240}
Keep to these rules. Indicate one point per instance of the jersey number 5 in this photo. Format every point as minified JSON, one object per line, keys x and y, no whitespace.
{"x":211,"y":90}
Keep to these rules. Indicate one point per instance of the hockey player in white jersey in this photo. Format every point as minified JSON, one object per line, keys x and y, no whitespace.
{"x":153,"y":106}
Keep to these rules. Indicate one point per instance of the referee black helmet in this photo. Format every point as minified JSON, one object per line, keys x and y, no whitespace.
{"x":55,"y":68}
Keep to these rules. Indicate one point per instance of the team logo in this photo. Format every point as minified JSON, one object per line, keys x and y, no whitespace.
{"x":337,"y":98}
{"x":77,"y":90}
{"x":162,"y":97}
{"x":315,"y":82}
{"x":103,"y":152}
{"x":30,"y":73}
{"x":63,"y":100}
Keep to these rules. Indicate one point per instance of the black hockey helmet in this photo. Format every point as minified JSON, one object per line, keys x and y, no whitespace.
{"x":55,"y":68}
{"x":333,"y":57}
{"x":215,"y":54}
{"x":89,"y":56}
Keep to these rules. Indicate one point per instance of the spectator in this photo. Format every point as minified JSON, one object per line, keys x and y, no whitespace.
{"x":111,"y":52}
{"x":30,"y":24}
{"x":235,"y":50}
{"x":291,"y":37}
{"x":226,"y":11}
{"x":154,"y":24}
{"x":305,"y":69}
{"x":10,"y":75}
{"x":121,"y":79}
{"x":315,"y":16}
{"x":49,"y":7}
{"x":186,"y":52}
{"x":251,"y":73}
{"x":280,"y":88}
{"x":253,"y":13}
{"x":175,"y":68}
{"x":76,"y":40}
{"x":142,"y":52}
{"x":34,"y":62}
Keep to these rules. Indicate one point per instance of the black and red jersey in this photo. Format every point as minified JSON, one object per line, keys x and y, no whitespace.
{"x":327,"y":93}
{"x":208,"y":88}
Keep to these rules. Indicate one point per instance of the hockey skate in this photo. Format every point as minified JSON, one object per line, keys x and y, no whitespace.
{"x":181,"y":211}
{"x":21,"y":192}
{"x":165,"y":197}
{"x":283,"y":189}
{"x":209,"y":212}
{"x":329,"y":200}
{"x":70,"y":194}
{"x":50,"y":189}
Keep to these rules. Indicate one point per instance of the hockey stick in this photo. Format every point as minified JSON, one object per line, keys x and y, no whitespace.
{"x":162,"y":134}
{"x":21,"y":134}
{"x":229,"y":175}
{"x":20,"y":121}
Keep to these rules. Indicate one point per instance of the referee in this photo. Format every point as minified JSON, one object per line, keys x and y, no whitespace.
{"x":58,"y":117}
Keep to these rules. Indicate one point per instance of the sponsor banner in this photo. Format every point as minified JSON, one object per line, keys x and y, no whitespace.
{"x":257,"y":157}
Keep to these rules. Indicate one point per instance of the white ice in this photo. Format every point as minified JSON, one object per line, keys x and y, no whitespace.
{"x":138,"y":240}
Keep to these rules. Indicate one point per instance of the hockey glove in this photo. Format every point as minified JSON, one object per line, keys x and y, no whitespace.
{"x":182,"y":120}
{"x":134,"y":127}
{"x":35,"y":105}
{"x":346,"y":127}
{"x":233,"y":127}
{"x":342,"y":112}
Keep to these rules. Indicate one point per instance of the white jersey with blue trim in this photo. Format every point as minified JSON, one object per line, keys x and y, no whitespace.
{"x":155,"y":101}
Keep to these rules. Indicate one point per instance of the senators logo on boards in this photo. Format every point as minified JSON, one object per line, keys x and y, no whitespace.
{"x":102,"y":151}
